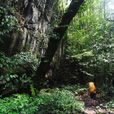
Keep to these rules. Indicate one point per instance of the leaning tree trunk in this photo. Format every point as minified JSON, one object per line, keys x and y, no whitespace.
{"x":54,"y":41}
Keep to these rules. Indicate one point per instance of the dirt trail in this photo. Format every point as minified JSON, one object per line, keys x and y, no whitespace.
{"x":90,"y":110}
{"x":90,"y":107}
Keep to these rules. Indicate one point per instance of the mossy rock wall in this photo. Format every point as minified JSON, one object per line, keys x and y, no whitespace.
{"x":35,"y":18}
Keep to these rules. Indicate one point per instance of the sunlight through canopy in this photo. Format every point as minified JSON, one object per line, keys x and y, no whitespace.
{"x":109,"y":10}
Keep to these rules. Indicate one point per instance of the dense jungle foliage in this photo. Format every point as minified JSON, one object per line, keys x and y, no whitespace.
{"x":88,"y":56}
{"x":91,"y":44}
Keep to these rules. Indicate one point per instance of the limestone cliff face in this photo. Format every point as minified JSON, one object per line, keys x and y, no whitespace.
{"x":35,"y":17}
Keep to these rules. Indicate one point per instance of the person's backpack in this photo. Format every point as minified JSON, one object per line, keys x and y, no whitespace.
{"x":92,"y":88}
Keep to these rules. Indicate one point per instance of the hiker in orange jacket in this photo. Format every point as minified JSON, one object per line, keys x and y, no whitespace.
{"x":92,"y":90}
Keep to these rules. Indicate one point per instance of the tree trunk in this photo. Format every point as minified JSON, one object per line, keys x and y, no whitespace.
{"x":54,"y":41}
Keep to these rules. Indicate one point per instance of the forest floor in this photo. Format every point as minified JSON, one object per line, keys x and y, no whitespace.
{"x":91,"y":108}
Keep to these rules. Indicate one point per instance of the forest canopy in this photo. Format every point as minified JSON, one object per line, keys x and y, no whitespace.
{"x":90,"y":41}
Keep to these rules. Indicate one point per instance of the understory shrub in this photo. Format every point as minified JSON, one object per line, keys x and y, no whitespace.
{"x":109,"y":106}
{"x":58,"y":102}
{"x":76,"y":89}
{"x":16,"y":71}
